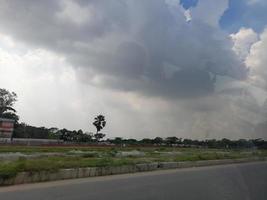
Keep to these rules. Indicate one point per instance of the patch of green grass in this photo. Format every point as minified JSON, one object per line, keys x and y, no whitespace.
{"x":52,"y":149}
{"x":64,"y":149}
{"x":52,"y":164}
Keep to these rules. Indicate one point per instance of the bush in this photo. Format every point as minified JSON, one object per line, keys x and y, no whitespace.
{"x":8,"y":170}
{"x":90,"y":155}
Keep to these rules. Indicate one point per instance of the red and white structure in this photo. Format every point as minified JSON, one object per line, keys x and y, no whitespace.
{"x":6,"y":129}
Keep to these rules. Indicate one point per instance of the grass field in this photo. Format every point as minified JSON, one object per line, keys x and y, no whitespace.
{"x":77,"y":157}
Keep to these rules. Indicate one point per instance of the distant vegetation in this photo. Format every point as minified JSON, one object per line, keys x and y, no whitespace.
{"x":78,"y":136}
{"x":7,"y":100}
{"x":22,"y":130}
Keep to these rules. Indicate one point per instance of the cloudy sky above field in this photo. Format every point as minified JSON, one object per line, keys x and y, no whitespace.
{"x":189,"y":68}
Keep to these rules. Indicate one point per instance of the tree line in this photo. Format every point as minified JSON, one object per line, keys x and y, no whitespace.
{"x":22,"y":130}
{"x":79,"y":137}
{"x":209,"y":143}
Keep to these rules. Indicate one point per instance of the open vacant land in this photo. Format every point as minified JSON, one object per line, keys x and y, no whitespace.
{"x":15,"y":159}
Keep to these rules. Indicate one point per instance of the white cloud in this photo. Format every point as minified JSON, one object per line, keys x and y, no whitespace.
{"x":257,"y":61}
{"x":6,"y":41}
{"x":38,"y":77}
{"x":243,"y":41}
{"x":187,"y":14}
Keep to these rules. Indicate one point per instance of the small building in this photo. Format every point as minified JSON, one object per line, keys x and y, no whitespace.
{"x":6,"y":129}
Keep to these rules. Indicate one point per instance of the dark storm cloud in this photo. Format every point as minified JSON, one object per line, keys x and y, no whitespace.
{"x":144,"y":46}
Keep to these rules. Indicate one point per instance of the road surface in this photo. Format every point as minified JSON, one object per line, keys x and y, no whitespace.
{"x":227,"y":182}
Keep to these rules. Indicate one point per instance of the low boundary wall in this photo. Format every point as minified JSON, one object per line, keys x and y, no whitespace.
{"x":62,"y":174}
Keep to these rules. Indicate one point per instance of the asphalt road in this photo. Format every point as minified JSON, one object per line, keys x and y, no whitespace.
{"x":237,"y":182}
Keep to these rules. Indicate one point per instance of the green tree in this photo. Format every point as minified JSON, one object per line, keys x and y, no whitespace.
{"x":172,"y":140}
{"x":146,"y":141}
{"x":7,"y":101}
{"x":158,"y":140}
{"x":99,"y":136}
{"x":118,"y":140}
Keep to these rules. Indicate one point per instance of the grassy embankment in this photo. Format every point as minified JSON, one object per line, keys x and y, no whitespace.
{"x":100,"y":157}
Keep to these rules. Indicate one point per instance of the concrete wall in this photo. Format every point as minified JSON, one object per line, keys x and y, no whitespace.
{"x":62,"y":174}
{"x":30,"y":141}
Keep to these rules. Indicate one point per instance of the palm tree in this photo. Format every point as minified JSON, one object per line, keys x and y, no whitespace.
{"x":99,"y":123}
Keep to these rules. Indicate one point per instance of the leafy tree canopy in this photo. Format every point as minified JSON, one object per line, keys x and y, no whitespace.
{"x":7,"y":101}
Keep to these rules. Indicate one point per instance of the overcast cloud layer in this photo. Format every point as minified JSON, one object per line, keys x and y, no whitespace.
{"x":154,"y":68}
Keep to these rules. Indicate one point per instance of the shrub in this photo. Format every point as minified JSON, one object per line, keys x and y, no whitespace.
{"x":8,"y":170}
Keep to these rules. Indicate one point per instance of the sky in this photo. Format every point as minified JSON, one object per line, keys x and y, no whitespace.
{"x":190,"y":68}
